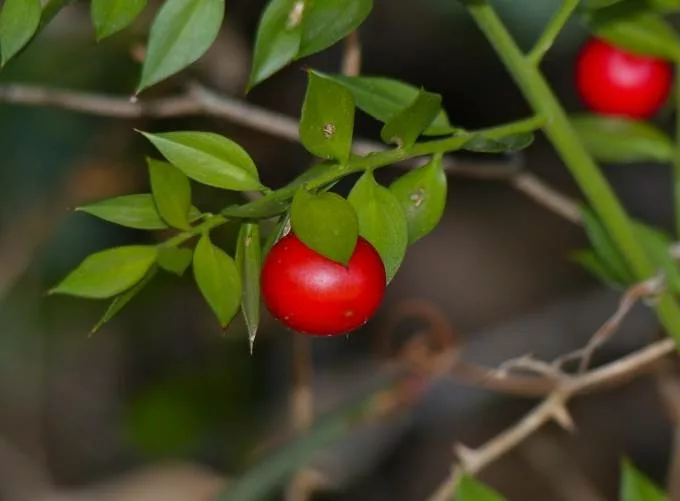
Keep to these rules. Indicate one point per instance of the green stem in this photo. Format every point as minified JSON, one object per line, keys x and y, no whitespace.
{"x":276,"y":202}
{"x":676,"y":160}
{"x":586,"y":172}
{"x":552,"y":31}
{"x":389,"y":157}
{"x":210,"y":223}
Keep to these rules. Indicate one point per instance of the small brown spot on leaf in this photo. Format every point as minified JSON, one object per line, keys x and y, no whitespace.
{"x":417,"y":197}
{"x":329,"y":130}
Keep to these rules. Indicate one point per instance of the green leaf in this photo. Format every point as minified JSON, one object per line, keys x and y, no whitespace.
{"x":326,"y":22}
{"x":326,"y":223}
{"x":589,"y":260}
{"x":111,"y":16}
{"x":421,"y":193}
{"x":171,"y":192}
{"x":121,"y":301}
{"x":635,"y":28}
{"x":384,"y":98}
{"x":109,"y":272}
{"x":278,"y":38}
{"x":381,"y":221}
{"x":175,"y":259}
{"x":208,"y":158}
{"x":635,"y":486}
{"x":218,"y":279}
{"x":19,"y":21}
{"x":249,"y":261}
{"x":327,"y":119}
{"x":470,"y":489}
{"x":621,"y":140}
{"x":132,"y":211}
{"x":405,"y":127}
{"x":657,"y":244}
{"x":480,"y":143}
{"x":182,"y":31}
{"x":605,"y":247}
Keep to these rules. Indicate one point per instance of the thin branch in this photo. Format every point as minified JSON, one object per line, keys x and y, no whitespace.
{"x":199,"y":100}
{"x":435,"y":353}
{"x":351,"y":58}
{"x":473,"y":461}
{"x":647,"y":289}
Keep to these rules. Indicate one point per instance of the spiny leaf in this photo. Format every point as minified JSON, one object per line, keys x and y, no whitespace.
{"x":326,"y":223}
{"x":121,"y":301}
{"x":218,"y":279}
{"x":329,"y":21}
{"x":249,"y":261}
{"x":421,"y":193}
{"x":175,"y":259}
{"x":381,"y":221}
{"x":111,"y":16}
{"x":109,"y":272}
{"x":19,"y":21}
{"x":208,"y":158}
{"x":327,"y":119}
{"x":384,"y":98}
{"x":132,"y":211}
{"x":171,"y":191}
{"x":278,"y":38}
{"x":182,"y":31}
{"x":405,"y":128}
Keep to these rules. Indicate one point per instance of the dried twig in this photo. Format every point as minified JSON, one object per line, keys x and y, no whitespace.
{"x":473,"y":461}
{"x":443,"y":359}
{"x":647,"y":289}
{"x":351,"y":58}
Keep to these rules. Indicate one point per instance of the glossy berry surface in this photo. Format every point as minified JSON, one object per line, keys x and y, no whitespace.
{"x":615,"y":82}
{"x":314,"y":295}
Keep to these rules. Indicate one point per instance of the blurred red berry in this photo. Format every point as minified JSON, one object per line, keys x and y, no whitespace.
{"x":612,"y":81}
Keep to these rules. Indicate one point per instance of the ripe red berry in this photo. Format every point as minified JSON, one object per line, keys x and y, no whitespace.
{"x":314,"y":295}
{"x":612,"y":81}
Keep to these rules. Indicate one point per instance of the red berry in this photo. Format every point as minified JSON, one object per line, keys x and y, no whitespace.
{"x":612,"y":81}
{"x":314,"y":295}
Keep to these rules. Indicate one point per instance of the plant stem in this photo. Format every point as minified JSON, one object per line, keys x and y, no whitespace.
{"x":676,"y":159}
{"x":586,"y":172}
{"x":552,"y":31}
{"x":210,"y":223}
{"x":276,"y":202}
{"x":389,"y":157}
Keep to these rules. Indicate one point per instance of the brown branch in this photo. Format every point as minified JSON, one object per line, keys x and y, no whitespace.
{"x":351,"y":58}
{"x":473,"y":461}
{"x":199,"y":100}
{"x":435,"y":352}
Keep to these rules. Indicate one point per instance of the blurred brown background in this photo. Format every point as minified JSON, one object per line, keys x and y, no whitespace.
{"x":160,"y":383}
